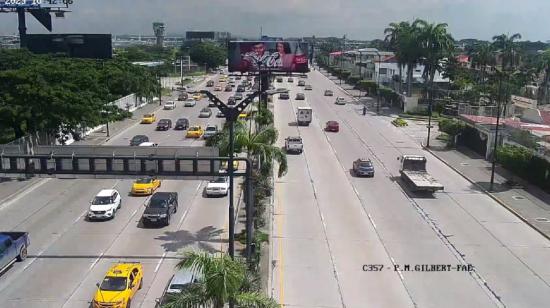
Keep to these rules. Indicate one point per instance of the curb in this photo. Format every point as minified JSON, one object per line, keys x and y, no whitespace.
{"x":492,"y":196}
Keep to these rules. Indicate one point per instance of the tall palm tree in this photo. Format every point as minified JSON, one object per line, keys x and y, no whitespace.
{"x":261,"y":144}
{"x":436,"y":45}
{"x":393,"y":33}
{"x":221,"y":279}
{"x":543,"y":65}
{"x":509,"y":48}
{"x":482,"y":56}
{"x":405,"y":41}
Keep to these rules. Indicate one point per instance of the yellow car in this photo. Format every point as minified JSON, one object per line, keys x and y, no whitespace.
{"x":145,"y":186}
{"x":243,"y":115}
{"x":148,"y":118}
{"x":119,"y":286}
{"x":197,"y":96}
{"x":194,"y":132}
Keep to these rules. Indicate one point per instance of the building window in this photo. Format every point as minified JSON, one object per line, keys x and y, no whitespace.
{"x":383,"y":71}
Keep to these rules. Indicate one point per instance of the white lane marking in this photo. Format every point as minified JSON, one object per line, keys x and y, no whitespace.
{"x":21,"y":193}
{"x":159,"y":263}
{"x":96,"y":261}
{"x":79,"y":217}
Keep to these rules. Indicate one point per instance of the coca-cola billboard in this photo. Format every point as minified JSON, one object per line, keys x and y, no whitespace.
{"x":276,"y":56}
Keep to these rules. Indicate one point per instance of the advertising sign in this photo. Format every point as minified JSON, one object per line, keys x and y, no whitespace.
{"x":34,"y":4}
{"x":275,"y":56}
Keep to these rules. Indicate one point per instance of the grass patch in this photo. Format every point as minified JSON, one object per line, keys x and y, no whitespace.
{"x":443,"y":137}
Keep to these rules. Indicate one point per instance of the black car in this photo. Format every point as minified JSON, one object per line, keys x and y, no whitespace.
{"x":228,"y":88}
{"x":160,"y":208}
{"x":182,"y":123}
{"x":210,"y":83}
{"x":231,"y":100}
{"x":238,"y":96}
{"x":300,"y":96}
{"x":279,"y":79}
{"x":164,"y":124}
{"x":290,"y":79}
{"x":183,"y":96}
{"x":363,"y":167}
{"x":284,"y":96}
{"x":138,"y":139}
{"x":240,"y":88}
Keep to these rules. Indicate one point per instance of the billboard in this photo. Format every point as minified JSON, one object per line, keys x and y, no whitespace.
{"x":95,"y":46}
{"x":275,"y":56}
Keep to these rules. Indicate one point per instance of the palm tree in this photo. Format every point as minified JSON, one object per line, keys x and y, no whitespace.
{"x":483,"y":55}
{"x":222,"y":279}
{"x":403,"y":37}
{"x":436,"y":45}
{"x":509,"y":48}
{"x":543,"y":66}
{"x":393,"y":37}
{"x":261,"y":144}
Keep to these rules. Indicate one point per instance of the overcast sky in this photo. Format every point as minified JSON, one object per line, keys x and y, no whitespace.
{"x":359,"y":19}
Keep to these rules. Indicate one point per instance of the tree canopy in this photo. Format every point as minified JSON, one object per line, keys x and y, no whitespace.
{"x":210,"y":53}
{"x":45,"y":92}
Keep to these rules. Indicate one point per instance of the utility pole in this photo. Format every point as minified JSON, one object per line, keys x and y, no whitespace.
{"x":181,"y":70}
{"x":377,"y":82}
{"x":494,"y":160}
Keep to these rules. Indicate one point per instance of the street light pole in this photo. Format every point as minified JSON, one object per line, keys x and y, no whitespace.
{"x":494,"y":160}
{"x":430,"y":93}
{"x":378,"y":83}
{"x":231,"y":205}
{"x":160,"y":90}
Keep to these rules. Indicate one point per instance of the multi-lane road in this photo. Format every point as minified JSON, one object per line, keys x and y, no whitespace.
{"x":332,"y":231}
{"x":69,"y":255}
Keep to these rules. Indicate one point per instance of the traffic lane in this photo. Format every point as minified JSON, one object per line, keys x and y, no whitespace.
{"x":417,"y":232}
{"x":466,"y":227}
{"x":344,"y":222}
{"x":299,"y":245}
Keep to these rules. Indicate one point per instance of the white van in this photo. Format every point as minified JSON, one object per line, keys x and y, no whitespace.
{"x":304,"y":116}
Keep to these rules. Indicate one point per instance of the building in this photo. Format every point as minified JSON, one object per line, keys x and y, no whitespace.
{"x":207,"y":36}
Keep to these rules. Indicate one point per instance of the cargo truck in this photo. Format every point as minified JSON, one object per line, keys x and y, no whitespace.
{"x":414,"y":174}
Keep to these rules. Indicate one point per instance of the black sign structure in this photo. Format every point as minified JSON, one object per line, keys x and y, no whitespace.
{"x":94,"y":46}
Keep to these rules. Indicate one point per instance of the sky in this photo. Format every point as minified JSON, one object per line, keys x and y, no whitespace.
{"x":358,"y":19}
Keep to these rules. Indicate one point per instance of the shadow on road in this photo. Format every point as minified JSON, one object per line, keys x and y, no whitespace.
{"x":175,"y":241}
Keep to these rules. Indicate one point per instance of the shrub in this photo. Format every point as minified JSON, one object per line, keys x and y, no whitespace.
{"x":452,"y":127}
{"x":344,"y":74}
{"x":353,"y":79}
{"x":399,"y":122}
{"x":368,"y":86}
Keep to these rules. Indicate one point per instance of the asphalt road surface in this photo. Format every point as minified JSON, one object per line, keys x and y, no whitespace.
{"x":69,"y":255}
{"x":337,"y":239}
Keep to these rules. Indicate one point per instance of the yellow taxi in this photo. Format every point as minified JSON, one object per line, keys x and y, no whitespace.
{"x":145,"y":186}
{"x":197,"y":96}
{"x":148,"y":118}
{"x":194,"y":132}
{"x":119,"y":286}
{"x":243,"y":115}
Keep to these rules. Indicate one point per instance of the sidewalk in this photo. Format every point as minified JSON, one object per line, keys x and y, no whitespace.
{"x":526,"y":201}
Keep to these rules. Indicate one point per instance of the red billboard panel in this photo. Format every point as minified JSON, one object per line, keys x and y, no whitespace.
{"x":275,"y":56}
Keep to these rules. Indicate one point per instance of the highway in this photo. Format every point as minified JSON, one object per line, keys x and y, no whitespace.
{"x":331,"y":230}
{"x":69,"y":255}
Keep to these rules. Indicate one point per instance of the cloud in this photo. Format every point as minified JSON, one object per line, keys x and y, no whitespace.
{"x":360,"y":19}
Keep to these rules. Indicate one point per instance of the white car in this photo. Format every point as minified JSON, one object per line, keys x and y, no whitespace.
{"x":340,"y":101}
{"x":210,"y":131}
{"x":105,"y":204}
{"x":218,"y":187}
{"x":169,"y":105}
{"x":148,"y":144}
{"x":190,"y":102}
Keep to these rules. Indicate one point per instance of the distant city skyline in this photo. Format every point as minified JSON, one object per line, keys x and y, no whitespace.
{"x":358,"y":19}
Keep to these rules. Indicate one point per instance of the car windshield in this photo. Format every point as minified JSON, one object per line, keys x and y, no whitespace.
{"x":148,"y":116}
{"x":211,"y":129}
{"x":194,"y":129}
{"x":182,"y":120}
{"x":205,"y":110}
{"x":294,"y":139}
{"x":138,"y":138}
{"x":144,"y":181}
{"x":364,"y":164}
{"x":158,"y":203}
{"x":219,"y":180}
{"x":101,"y":200}
{"x":163,"y":122}
{"x":113,"y":284}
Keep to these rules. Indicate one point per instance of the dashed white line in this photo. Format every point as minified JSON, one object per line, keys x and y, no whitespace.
{"x":159,"y":263}
{"x":21,"y":193}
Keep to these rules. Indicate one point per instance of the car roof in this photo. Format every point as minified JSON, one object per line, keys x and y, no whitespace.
{"x":163,"y":195}
{"x":183,"y":276}
{"x":105,"y":193}
{"x":121,"y":269}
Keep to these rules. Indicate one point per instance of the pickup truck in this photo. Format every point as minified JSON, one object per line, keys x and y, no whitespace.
{"x":414,"y":174}
{"x":13,"y":247}
{"x":294,"y":145}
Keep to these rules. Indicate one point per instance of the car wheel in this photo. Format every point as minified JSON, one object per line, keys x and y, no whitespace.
{"x":129,"y":303}
{"x":114,"y":214}
{"x":119,"y":204}
{"x":168,"y":220}
{"x":140,"y":284}
{"x":176,"y":208}
{"x":22,"y":254}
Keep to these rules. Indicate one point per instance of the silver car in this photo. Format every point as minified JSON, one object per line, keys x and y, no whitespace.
{"x":205,"y":113}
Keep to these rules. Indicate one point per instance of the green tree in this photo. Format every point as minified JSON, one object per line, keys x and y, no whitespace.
{"x":222,"y":279}
{"x":509,"y":48}
{"x":211,"y":54}
{"x":543,"y":65}
{"x":261,"y":144}
{"x":482,"y":56}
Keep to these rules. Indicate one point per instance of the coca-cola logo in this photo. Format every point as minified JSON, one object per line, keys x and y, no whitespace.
{"x":300,"y":59}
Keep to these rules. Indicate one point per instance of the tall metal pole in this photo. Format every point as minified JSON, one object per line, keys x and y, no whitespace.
{"x":181,"y":70}
{"x":160,"y":90}
{"x":22,"y":27}
{"x":494,"y":160}
{"x":377,"y":83}
{"x":429,"y":116}
{"x":231,"y":206}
